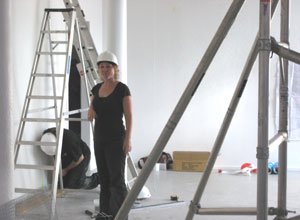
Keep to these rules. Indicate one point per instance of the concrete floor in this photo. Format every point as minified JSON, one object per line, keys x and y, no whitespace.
{"x":222,"y":190}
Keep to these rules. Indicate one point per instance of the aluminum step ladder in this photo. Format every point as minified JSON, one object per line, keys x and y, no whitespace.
{"x":83,"y":41}
{"x":51,"y":66}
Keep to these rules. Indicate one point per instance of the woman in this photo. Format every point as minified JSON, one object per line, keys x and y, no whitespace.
{"x":111,"y":100}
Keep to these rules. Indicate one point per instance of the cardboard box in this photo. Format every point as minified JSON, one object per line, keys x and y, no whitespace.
{"x":190,"y":160}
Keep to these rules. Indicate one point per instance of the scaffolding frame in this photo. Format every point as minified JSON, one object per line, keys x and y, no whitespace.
{"x":262,"y":46}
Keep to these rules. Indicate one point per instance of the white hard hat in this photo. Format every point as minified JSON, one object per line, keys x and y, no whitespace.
{"x":48,"y":137}
{"x":107,"y":56}
{"x":144,"y":193}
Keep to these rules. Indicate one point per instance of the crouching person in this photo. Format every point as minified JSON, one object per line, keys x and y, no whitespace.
{"x":75,"y":159}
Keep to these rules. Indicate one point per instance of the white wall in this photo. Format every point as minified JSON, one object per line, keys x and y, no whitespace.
{"x":166,"y":41}
{"x":6,"y":156}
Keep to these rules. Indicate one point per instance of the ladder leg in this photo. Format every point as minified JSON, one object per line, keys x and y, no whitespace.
{"x":52,"y":71}
{"x":60,"y":127}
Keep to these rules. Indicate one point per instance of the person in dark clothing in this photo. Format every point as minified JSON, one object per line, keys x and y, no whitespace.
{"x":111,"y":100}
{"x":75,"y":158}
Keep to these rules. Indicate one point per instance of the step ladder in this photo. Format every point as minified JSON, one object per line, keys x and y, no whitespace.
{"x":51,"y":68}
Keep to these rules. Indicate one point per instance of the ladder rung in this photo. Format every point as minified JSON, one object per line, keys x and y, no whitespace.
{"x":34,"y":167}
{"x":44,"y":97}
{"x":27,"y":190}
{"x":37,"y":143}
{"x":52,"y":53}
{"x":59,"y":9}
{"x":56,"y":32}
{"x":59,"y":42}
{"x":41,"y":119}
{"x":48,"y":75}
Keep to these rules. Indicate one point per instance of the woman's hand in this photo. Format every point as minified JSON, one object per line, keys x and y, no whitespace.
{"x":91,"y":114}
{"x":64,"y":172}
{"x":127,"y":146}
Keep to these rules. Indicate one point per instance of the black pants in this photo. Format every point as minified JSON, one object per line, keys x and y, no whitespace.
{"x":76,"y":178}
{"x":110,"y":159}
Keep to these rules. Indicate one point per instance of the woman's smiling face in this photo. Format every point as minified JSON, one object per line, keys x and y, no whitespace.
{"x":107,"y":70}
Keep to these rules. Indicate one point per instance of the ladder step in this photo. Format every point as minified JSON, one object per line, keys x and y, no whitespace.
{"x":37,"y":143}
{"x":56,"y":32}
{"x":34,"y":167}
{"x":27,"y":190}
{"x":59,"y":42}
{"x":44,"y":97}
{"x":41,"y":119}
{"x":48,"y":75}
{"x":52,"y":53}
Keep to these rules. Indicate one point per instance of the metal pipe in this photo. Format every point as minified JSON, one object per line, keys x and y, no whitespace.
{"x":75,"y":111}
{"x":180,"y":107}
{"x":285,"y":52}
{"x":229,"y":115}
{"x":277,"y":139}
{"x":227,"y":211}
{"x":283,"y":113}
{"x":82,"y":60}
{"x":263,"y":114}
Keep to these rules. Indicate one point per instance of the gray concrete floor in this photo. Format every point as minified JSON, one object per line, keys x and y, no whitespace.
{"x":222,"y":190}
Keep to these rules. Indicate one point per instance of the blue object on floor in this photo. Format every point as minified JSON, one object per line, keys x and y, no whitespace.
{"x":270,"y":167}
{"x":275,"y":168}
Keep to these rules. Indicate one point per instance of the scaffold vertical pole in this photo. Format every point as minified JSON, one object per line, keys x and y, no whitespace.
{"x":263,"y":108}
{"x":283,"y":112}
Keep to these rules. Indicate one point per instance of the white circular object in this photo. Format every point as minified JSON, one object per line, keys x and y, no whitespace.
{"x":49,"y":150}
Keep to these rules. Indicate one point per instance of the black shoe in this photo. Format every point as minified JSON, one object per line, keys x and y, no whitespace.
{"x":96,"y":178}
{"x":91,"y":182}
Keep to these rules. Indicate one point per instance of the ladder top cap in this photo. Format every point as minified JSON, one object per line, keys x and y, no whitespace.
{"x":59,"y":9}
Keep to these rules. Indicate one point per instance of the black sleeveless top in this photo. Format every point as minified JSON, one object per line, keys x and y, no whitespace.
{"x":109,"y":124}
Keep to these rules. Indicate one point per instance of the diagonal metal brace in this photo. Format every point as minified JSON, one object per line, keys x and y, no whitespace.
{"x":284,"y":52}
